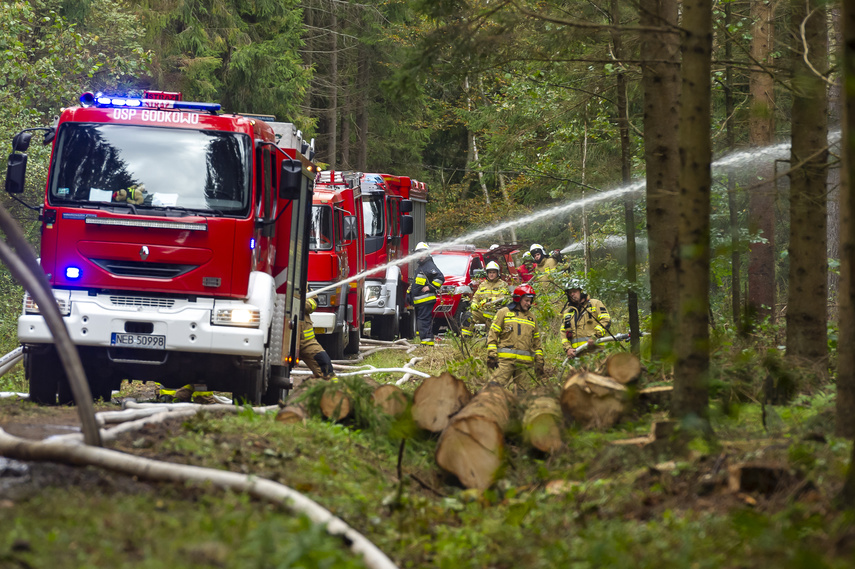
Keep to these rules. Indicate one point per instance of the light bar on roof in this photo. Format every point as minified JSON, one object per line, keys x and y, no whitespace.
{"x":107,"y":101}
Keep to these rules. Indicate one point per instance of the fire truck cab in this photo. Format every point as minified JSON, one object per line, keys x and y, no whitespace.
{"x":175,"y":240}
{"x":336,"y":252}
{"x":395,"y":211}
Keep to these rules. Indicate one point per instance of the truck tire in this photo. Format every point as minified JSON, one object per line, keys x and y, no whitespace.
{"x":333,"y":344}
{"x":386,"y":327}
{"x":407,"y":325}
{"x":353,"y":342}
{"x":43,"y":371}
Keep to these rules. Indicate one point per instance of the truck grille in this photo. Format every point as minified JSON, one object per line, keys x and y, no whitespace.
{"x":142,"y":301}
{"x":142,"y":269}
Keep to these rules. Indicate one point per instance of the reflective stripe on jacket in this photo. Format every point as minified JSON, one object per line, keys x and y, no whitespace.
{"x":590,"y":319}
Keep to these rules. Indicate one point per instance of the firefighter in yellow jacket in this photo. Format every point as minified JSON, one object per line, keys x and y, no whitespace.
{"x":311,"y":351}
{"x":490,"y":296}
{"x":514,"y":350}
{"x":586,"y":320}
{"x":544,"y":264}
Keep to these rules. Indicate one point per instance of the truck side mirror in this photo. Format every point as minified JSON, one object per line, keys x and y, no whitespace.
{"x":16,"y":170}
{"x":350,"y":229}
{"x":406,"y":206}
{"x":21,"y":141}
{"x":290,"y":178}
{"x":406,"y":225}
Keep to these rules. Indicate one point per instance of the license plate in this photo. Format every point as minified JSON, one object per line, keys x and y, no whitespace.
{"x":146,"y":341}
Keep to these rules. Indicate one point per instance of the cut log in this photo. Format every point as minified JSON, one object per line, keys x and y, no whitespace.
{"x":623,"y":367}
{"x":594,"y":401}
{"x":437,"y":399}
{"x":390,"y":399}
{"x":471,"y":446}
{"x":335,"y":402}
{"x":542,"y":421}
{"x":292,"y":414}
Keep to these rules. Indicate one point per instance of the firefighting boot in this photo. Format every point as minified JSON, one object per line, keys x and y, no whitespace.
{"x":202,"y":395}
{"x":183,"y":395}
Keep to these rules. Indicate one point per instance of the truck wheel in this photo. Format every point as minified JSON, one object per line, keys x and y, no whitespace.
{"x":43,"y":371}
{"x":408,"y":325}
{"x":333,"y":344}
{"x":386,"y":327}
{"x":353,"y":343}
{"x":252,"y":384}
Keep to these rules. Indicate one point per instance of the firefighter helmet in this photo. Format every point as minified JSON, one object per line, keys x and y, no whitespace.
{"x":422,"y":246}
{"x":311,"y":305}
{"x":527,"y":258}
{"x":521,"y":291}
{"x":493,"y":266}
{"x":535,"y":247}
{"x":494,"y":246}
{"x":573,"y":284}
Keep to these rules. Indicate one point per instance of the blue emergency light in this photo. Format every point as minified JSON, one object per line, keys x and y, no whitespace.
{"x":100,"y":100}
{"x":72,"y":273}
{"x":252,"y":243}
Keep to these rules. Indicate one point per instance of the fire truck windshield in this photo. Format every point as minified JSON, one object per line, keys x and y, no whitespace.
{"x":321,"y":234}
{"x":452,"y":265}
{"x":152,"y":167}
{"x":374,"y":214}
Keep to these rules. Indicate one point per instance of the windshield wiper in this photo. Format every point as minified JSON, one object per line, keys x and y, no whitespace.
{"x":128,"y":205}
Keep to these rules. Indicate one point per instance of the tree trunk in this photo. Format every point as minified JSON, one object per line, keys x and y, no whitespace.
{"x":846,"y":339}
{"x":437,"y":399}
{"x":626,"y":177}
{"x":761,"y":201}
{"x":807,"y":307}
{"x":542,"y":420}
{"x":332,"y":111}
{"x":390,"y":399}
{"x":661,"y":82}
{"x":472,"y":445}
{"x":594,"y":401}
{"x":691,"y":396}
{"x":623,"y":367}
{"x":732,"y":202}
{"x":508,"y":204}
{"x":363,"y":71}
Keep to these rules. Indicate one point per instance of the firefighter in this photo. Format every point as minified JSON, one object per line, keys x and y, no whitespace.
{"x":192,"y":392}
{"x":311,"y":351}
{"x":489,"y":297}
{"x":424,"y":287}
{"x":543,"y":263}
{"x":585,"y":321}
{"x":513,"y":343}
{"x":526,"y":270}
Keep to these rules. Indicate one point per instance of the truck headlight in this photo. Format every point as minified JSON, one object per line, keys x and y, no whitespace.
{"x":30,"y":306}
{"x":372,"y":293}
{"x":446,"y":289}
{"x":246,"y":316}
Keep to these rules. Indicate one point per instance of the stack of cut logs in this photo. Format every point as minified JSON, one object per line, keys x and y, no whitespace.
{"x":472,"y":429}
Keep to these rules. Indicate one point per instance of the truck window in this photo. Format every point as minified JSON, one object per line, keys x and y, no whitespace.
{"x":451,"y":265}
{"x":374,"y":214}
{"x":201,"y":170}
{"x":321,"y":236}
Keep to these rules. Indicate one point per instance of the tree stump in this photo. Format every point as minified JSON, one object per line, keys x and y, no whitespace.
{"x":594,"y":401}
{"x":542,"y":420}
{"x":335,"y":403}
{"x":437,"y":399}
{"x":292,"y":414}
{"x":623,"y":367}
{"x":390,"y":399}
{"x":472,"y":444}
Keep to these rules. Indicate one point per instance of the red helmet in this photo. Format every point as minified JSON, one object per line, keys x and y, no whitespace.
{"x":523,"y":290}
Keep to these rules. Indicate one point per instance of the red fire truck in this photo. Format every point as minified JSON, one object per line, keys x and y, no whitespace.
{"x":337,"y":251}
{"x":390,"y":235}
{"x":175,"y":240}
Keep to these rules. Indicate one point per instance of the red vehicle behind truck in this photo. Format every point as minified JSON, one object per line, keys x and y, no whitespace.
{"x":175,"y":240}
{"x":395,"y":209}
{"x":337,"y":251}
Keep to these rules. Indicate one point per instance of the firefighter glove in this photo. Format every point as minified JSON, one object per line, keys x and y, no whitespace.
{"x":492,"y":362}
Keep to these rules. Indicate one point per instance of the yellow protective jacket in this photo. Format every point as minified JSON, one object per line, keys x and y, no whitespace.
{"x":309,"y":346}
{"x":490,"y":293}
{"x":589,"y":319}
{"x":544,"y":268}
{"x":514,"y":335}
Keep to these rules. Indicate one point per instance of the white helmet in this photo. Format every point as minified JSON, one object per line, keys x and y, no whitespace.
{"x":493,"y":266}
{"x":422,"y":246}
{"x":535,"y":246}
{"x":494,"y":246}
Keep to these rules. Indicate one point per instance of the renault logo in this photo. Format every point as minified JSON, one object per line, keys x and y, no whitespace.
{"x":144,"y":252}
